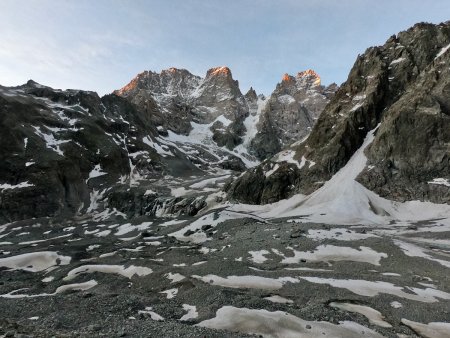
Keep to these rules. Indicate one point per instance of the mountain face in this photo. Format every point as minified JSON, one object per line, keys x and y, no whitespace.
{"x":262,"y":127}
{"x":134,"y":152}
{"x":290,"y":112}
{"x":402,"y":86}
{"x":183,"y":98}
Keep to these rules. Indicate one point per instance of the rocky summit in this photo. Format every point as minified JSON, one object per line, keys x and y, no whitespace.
{"x":177,"y":206}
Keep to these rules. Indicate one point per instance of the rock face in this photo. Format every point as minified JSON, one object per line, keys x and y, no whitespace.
{"x":290,"y":112}
{"x":403,"y":86}
{"x":64,"y":152}
{"x":71,"y":153}
{"x":183,"y":98}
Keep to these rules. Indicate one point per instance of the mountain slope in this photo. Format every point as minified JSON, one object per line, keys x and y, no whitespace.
{"x":386,"y":84}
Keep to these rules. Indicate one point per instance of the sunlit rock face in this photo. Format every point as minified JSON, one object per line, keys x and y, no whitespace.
{"x":175,"y":98}
{"x":290,"y":112}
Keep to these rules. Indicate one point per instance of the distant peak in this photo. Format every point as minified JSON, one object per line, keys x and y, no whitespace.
{"x":174,"y":70}
{"x":219,"y":71}
{"x":310,"y":74}
{"x":287,"y":78}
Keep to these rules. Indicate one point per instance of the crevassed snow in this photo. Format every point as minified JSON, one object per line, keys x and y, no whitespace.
{"x":34,"y":261}
{"x":373,"y":288}
{"x":247,"y":282}
{"x":374,"y":316}
{"x":6,"y":186}
{"x":115,"y":269}
{"x":202,"y":135}
{"x":281,"y":324}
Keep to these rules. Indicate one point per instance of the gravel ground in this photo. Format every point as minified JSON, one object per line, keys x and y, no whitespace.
{"x":299,"y":262}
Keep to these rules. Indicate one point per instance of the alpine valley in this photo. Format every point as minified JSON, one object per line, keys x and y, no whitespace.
{"x":179,"y":206}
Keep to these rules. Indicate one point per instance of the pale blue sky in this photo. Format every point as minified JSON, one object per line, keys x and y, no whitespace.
{"x":101,"y":44}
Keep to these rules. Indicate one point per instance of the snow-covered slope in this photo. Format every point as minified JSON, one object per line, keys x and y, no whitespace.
{"x":343,"y":200}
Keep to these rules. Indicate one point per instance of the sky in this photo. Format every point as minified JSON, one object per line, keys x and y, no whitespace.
{"x":101,"y":45}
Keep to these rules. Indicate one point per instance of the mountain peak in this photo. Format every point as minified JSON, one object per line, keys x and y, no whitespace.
{"x":287,"y":78}
{"x":223,"y":70}
{"x":310,"y":74}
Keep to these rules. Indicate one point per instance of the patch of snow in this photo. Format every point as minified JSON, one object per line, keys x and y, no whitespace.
{"x":209,"y":181}
{"x":153,"y":315}
{"x":115,"y":269}
{"x":328,"y":253}
{"x":128,"y":227}
{"x":286,"y":99}
{"x":171,"y":293}
{"x":6,"y":186}
{"x":34,"y":261}
{"x":412,"y":250}
{"x":373,"y":288}
{"x":397,"y":61}
{"x":375,"y":317}
{"x":440,"y":181}
{"x":430,"y":330}
{"x":281,"y":324}
{"x":50,"y":141}
{"x":191,"y":312}
{"x":212,"y":219}
{"x":159,"y":148}
{"x":96,"y":172}
{"x":442,"y":51}
{"x":258,"y":256}
{"x":69,"y":287}
{"x":279,"y":299}
{"x":247,"y":282}
{"x":340,"y":234}
{"x":174,"y":277}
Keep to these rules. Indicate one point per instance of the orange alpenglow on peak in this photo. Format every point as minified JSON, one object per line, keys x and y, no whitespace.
{"x":220,"y":71}
{"x":308,"y":72}
{"x":287,"y":78}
